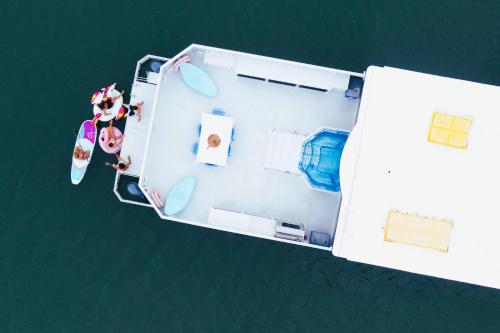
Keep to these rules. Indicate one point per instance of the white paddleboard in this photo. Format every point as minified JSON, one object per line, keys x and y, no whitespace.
{"x":86,"y":140}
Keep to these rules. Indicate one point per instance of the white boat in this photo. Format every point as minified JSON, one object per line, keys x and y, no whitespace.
{"x":388,"y":167}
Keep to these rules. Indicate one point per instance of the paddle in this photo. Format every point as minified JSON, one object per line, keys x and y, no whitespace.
{"x":78,"y":141}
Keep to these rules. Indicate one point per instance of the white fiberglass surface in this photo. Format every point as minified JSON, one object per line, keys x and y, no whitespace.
{"x":244,"y":185}
{"x":136,"y":131}
{"x":397,"y":168}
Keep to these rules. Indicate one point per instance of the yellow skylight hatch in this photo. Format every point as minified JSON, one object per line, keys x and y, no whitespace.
{"x":418,"y":230}
{"x":449,"y":130}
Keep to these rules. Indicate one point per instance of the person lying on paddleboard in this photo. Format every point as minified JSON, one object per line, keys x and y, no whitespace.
{"x":122,"y":164}
{"x":79,"y":154}
{"x":107,"y":102}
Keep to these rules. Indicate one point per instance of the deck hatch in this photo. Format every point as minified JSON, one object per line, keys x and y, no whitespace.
{"x":416,"y":230}
{"x":449,"y":130}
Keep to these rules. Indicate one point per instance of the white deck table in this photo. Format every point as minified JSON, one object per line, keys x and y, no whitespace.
{"x":221,"y":126}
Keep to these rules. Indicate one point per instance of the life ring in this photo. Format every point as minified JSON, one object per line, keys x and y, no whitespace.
{"x":104,"y":139}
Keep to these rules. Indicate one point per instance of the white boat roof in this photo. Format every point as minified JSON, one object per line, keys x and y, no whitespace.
{"x":136,"y":131}
{"x":390,"y":165}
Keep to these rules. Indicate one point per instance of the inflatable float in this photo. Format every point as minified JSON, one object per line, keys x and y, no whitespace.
{"x":86,"y":141}
{"x":120,"y":114}
{"x":104,"y":138}
{"x":97,"y":98}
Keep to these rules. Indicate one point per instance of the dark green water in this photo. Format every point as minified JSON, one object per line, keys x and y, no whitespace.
{"x":73,"y":259}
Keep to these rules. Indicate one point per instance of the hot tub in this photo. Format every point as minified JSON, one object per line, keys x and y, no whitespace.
{"x":320,"y":159}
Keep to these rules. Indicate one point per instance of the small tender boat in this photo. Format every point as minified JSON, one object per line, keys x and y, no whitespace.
{"x":86,"y":141}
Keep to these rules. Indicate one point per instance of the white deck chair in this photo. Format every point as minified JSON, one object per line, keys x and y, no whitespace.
{"x":283,"y":151}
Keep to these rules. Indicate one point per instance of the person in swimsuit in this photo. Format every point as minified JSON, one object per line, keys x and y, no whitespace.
{"x":108,"y":102}
{"x":122,"y":164}
{"x":79,"y":154}
{"x":134,"y":110}
{"x":112,"y":141}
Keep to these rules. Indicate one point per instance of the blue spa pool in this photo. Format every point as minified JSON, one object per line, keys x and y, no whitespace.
{"x":320,"y":159}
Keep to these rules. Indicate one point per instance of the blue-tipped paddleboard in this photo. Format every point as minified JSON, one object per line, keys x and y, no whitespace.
{"x":198,"y":80}
{"x":178,"y":198}
{"x":85,"y":140}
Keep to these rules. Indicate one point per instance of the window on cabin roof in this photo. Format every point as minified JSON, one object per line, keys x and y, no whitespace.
{"x":449,"y":130}
{"x":417,"y":230}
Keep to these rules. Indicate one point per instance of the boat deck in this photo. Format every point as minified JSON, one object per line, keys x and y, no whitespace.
{"x":134,"y":143}
{"x":245,"y":185}
{"x":136,"y":131}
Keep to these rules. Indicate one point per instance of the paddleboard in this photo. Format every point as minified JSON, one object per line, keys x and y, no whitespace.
{"x":178,"y":198}
{"x":198,"y":79}
{"x":86,"y":140}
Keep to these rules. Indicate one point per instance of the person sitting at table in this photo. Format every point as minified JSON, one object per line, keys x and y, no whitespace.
{"x":134,"y":110}
{"x":79,"y":154}
{"x":108,"y":102}
{"x":122,"y":164}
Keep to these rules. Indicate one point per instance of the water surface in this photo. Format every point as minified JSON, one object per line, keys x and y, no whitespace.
{"x":73,"y":259}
